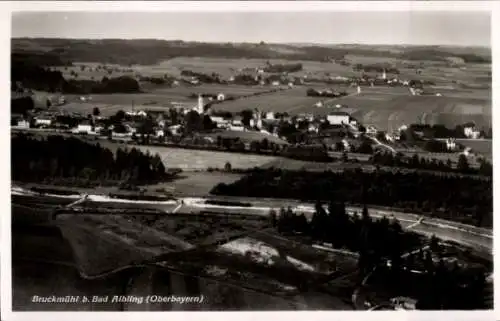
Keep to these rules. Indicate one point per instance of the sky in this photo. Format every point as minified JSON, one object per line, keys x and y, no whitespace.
{"x":399,"y":27}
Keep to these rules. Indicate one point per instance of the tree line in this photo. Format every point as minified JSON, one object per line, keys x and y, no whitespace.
{"x":441,"y":131}
{"x":463,"y":199}
{"x":41,"y":78}
{"x":280,"y":68}
{"x":330,"y":94}
{"x":58,"y":158}
{"x":415,"y":162}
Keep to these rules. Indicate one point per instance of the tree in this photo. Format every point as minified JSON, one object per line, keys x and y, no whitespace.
{"x":208,"y":124}
{"x":485,"y":168}
{"x":120,"y":115}
{"x":96,"y":111}
{"x":345,"y":157}
{"x":272,"y":218}
{"x":193,"y":121}
{"x":339,"y":147}
{"x":246,"y":116}
{"x":365,"y":148}
{"x":463,"y":164}
{"x":380,"y":136}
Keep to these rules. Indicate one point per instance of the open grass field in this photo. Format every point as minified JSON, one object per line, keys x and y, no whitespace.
{"x":481,"y":146}
{"x":290,"y":101}
{"x":187,"y":159}
{"x":199,"y":183}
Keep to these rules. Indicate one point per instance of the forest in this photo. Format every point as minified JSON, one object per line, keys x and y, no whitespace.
{"x":71,"y":161}
{"x":464,"y":199}
{"x":32,"y":75}
{"x":439,"y":285}
{"x":150,"y":51}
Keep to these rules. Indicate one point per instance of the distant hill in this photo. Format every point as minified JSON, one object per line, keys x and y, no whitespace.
{"x":151,"y":51}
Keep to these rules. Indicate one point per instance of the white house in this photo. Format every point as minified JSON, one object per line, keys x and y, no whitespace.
{"x":160,"y":133}
{"x":338,"y":118}
{"x":237,"y":127}
{"x":451,"y":144}
{"x":23,"y":124}
{"x":84,"y":127}
{"x":313,"y":128}
{"x":471,"y":132}
{"x":175,"y":129}
{"x":269,"y":115}
{"x":219,"y":121}
{"x":140,"y":113}
{"x":256,"y":123}
{"x":275,"y":83}
{"x":237,"y":122}
{"x":43,"y":121}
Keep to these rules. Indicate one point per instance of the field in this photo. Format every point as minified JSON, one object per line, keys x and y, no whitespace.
{"x":388,"y":111}
{"x":187,"y":159}
{"x":155,"y":99}
{"x":466,"y":91}
{"x":198,"y":183}
{"x":291,"y":101}
{"x":483,"y":146}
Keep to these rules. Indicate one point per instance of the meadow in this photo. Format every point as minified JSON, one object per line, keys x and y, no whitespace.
{"x":290,"y":101}
{"x":189,"y":160}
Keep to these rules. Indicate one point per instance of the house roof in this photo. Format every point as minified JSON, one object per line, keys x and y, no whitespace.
{"x":85,"y":122}
{"x":338,"y":113}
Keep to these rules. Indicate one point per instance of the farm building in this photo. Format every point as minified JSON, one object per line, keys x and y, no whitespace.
{"x":239,"y":128}
{"x":471,"y":132}
{"x":42,"y":120}
{"x":338,"y":118}
{"x":23,"y":124}
{"x":219,"y":121}
{"x":269,"y":115}
{"x":221,"y":97}
{"x":451,"y":144}
{"x":84,"y":127}
{"x":237,"y":121}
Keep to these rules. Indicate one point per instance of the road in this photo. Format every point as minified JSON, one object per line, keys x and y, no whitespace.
{"x":479,"y":238}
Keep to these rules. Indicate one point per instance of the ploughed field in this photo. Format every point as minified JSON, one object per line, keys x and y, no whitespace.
{"x":390,"y":111}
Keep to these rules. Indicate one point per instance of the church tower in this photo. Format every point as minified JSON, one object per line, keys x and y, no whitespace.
{"x":200,"y":107}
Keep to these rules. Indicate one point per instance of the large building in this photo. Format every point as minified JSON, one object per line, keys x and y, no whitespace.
{"x":338,"y":118}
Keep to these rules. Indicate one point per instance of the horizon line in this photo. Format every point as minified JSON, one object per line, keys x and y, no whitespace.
{"x":265,"y":42}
